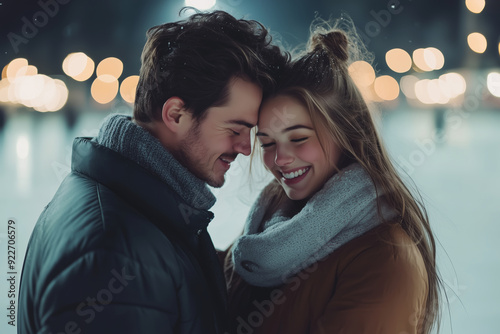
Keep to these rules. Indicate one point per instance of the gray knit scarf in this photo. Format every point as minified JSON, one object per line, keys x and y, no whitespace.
{"x":121,"y":135}
{"x":345,"y":208}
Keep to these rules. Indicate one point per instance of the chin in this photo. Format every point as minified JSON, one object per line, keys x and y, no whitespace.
{"x":295,"y":196}
{"x":216,"y":183}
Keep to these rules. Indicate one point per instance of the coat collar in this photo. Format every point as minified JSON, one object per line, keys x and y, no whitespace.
{"x":120,"y":134}
{"x":154,"y":198}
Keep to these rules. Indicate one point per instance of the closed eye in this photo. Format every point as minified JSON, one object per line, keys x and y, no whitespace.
{"x":235,"y":133}
{"x":299,"y":140}
{"x":266,"y":145}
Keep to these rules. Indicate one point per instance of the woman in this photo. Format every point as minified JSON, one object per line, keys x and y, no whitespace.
{"x":336,"y":243}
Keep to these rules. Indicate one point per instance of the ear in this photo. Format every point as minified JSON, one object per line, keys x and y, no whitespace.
{"x":177,"y":118}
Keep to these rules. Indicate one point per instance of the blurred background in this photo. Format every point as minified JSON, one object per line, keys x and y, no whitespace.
{"x":434,"y":86}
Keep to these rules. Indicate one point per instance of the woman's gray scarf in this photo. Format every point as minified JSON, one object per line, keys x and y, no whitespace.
{"x":345,"y":208}
{"x":121,"y":135}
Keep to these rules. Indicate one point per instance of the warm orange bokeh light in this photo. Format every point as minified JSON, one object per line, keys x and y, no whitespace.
{"x":4,"y":91}
{"x":111,"y":66}
{"x":477,"y":42}
{"x":128,"y":88}
{"x":434,"y":58}
{"x":4,"y":71}
{"x":386,"y":87}
{"x":475,"y":6}
{"x":104,"y":88}
{"x":398,"y":60}
{"x":78,"y":66}
{"x":362,"y":73}
{"x":14,"y":68}
{"x":74,"y":63}
{"x":419,"y":60}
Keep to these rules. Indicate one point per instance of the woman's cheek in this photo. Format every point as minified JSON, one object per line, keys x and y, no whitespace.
{"x":268,"y":158}
{"x":310,"y":152}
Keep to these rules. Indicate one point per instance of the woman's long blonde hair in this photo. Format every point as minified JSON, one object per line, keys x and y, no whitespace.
{"x":320,"y":80}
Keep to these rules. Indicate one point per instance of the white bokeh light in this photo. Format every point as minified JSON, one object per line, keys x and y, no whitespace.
{"x":200,"y":4}
{"x":493,"y":83}
{"x":22,"y":147}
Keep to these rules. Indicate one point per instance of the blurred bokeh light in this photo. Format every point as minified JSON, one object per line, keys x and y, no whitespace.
{"x":475,"y":6}
{"x":22,"y":147}
{"x":493,"y":83}
{"x":78,"y":66}
{"x":477,"y":42}
{"x":111,"y":66}
{"x":201,"y":4}
{"x":434,"y":58}
{"x":128,"y":88}
{"x":407,"y":84}
{"x":386,"y":87}
{"x":362,"y":73}
{"x":419,"y":60}
{"x":104,"y":88}
{"x":398,"y":60}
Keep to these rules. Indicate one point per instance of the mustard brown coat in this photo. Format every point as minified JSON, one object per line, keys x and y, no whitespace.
{"x":374,"y":284}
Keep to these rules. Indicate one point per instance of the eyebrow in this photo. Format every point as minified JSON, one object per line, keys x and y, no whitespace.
{"x":241,"y":122}
{"x":294,"y":127}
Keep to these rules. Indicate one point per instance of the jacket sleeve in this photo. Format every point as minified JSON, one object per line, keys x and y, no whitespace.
{"x":104,"y":292}
{"x":379,"y":292}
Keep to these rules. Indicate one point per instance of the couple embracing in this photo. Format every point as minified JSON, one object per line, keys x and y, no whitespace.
{"x":336,"y":243}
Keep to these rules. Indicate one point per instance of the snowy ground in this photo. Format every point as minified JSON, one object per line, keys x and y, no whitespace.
{"x":456,"y":171}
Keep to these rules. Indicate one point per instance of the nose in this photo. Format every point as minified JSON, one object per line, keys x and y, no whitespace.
{"x":243,"y":145}
{"x":283,"y":156}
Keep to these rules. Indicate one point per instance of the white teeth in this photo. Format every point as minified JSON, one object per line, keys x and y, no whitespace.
{"x":293,"y":175}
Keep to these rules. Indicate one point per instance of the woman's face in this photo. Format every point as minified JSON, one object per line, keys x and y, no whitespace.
{"x":291,"y":148}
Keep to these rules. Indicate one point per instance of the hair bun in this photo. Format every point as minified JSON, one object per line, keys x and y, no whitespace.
{"x":334,"y":42}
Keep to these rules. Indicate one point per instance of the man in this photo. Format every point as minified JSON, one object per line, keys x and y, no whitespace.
{"x":123,"y":245}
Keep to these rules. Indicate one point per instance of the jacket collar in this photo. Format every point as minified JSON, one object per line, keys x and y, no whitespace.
{"x":154,"y":198}
{"x":120,"y":134}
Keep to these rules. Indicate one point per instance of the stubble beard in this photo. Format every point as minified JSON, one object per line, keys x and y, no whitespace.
{"x":190,"y":148}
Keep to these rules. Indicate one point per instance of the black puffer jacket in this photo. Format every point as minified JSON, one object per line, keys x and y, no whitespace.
{"x":116,"y":251}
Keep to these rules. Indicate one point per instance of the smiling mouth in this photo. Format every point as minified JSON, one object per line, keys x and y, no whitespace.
{"x":226,"y":160}
{"x":297,"y":173}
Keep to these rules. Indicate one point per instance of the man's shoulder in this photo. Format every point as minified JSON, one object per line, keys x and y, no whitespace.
{"x":84,"y":216}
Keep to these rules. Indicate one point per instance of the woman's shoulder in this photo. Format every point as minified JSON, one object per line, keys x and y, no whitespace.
{"x":387,"y":246}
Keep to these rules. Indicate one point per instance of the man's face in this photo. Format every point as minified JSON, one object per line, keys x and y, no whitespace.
{"x":211,"y":145}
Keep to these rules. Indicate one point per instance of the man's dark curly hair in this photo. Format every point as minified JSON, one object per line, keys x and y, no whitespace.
{"x":196,"y":58}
